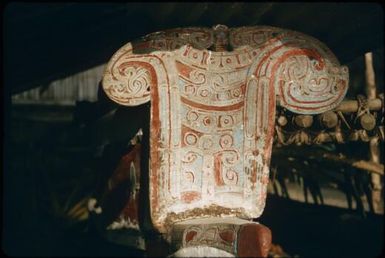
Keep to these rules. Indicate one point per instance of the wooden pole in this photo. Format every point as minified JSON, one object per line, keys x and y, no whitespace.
{"x":370,"y":76}
{"x":351,"y":106}
{"x":374,"y":150}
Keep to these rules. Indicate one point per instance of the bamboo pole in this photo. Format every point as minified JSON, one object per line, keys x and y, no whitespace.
{"x":370,"y":76}
{"x":351,"y":106}
{"x":374,"y":149}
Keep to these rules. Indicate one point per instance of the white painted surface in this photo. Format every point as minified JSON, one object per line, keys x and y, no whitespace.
{"x":201,"y":251}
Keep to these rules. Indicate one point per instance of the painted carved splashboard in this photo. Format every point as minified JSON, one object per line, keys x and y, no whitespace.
{"x":213,"y":112}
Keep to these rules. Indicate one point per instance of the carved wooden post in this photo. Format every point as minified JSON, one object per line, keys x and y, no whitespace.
{"x":374,"y":149}
{"x":211,"y":124}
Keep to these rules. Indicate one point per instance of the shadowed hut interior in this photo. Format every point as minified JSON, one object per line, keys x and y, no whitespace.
{"x":62,"y":137}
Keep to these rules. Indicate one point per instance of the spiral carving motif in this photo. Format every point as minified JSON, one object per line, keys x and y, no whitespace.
{"x":129,"y":83}
{"x":190,"y":157}
{"x":212,"y":112}
{"x":308,"y":83}
{"x":230,"y":177}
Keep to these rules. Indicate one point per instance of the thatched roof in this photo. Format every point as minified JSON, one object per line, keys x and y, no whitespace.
{"x":44,"y":41}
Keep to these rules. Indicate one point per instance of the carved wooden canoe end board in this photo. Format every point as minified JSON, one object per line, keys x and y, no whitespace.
{"x":213,"y":112}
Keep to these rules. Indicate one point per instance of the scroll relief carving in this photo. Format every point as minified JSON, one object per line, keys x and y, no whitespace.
{"x":219,"y":236}
{"x":213,"y":112}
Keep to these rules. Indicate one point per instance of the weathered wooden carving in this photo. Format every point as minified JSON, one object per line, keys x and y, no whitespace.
{"x":213,"y":96}
{"x":232,"y":235}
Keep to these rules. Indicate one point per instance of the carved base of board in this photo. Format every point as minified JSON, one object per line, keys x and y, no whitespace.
{"x":226,"y":236}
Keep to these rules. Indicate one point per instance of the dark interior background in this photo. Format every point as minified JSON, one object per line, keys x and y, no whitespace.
{"x":43,"y":42}
{"x":46,"y":41}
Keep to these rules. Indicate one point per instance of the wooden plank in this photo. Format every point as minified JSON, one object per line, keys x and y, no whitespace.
{"x":374,"y":148}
